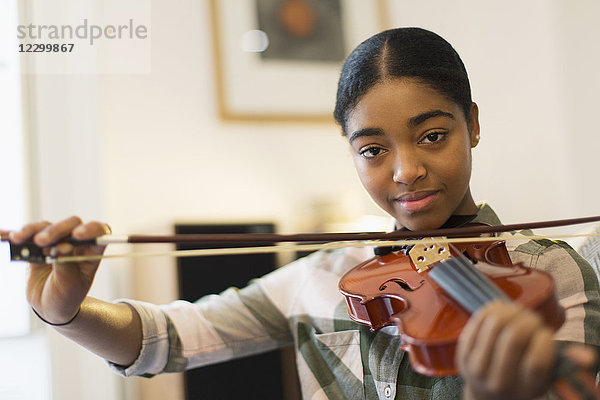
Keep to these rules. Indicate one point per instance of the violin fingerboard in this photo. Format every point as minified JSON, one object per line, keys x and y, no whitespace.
{"x":465,"y":284}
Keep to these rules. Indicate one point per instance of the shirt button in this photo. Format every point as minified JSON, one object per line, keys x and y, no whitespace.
{"x":387,"y":391}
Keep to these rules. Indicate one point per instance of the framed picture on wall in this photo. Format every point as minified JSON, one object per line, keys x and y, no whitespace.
{"x":279,"y":60}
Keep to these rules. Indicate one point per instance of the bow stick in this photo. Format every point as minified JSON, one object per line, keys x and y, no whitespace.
{"x":30,"y":252}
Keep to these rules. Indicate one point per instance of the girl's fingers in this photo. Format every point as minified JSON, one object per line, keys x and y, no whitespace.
{"x":61,"y":249}
{"x":91,"y":230}
{"x":535,"y":371}
{"x":583,"y":356}
{"x":510,"y":350}
{"x":45,"y":234}
{"x":55,"y":232}
{"x":477,"y":341}
{"x":28,"y":231}
{"x":467,"y":345}
{"x":506,"y":351}
{"x":51,"y":236}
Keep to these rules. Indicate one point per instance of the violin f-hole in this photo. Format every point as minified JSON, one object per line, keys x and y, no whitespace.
{"x":402,"y":283}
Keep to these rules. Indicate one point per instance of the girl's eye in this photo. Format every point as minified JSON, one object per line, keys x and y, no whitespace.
{"x":371,"y":151}
{"x":434,"y":137}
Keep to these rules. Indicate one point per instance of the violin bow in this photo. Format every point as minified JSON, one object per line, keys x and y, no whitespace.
{"x":264,"y":242}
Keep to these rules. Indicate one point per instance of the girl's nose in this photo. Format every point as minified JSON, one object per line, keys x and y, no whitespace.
{"x":408,"y":168}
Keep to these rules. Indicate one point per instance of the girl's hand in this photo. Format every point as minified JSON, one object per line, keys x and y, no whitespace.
{"x":56,"y":291}
{"x":506,"y":352}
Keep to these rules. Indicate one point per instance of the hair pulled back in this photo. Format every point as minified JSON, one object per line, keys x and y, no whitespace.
{"x":402,"y":52}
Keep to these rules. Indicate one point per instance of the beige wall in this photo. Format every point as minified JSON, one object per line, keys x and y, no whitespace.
{"x":144,"y":151}
{"x":532,"y":68}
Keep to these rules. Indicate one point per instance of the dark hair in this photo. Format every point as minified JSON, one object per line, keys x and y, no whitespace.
{"x":402,"y":52}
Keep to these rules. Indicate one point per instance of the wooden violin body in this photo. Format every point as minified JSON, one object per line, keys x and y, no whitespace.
{"x":390,"y":290}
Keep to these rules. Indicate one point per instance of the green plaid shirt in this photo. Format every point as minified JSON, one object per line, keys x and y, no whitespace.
{"x":336,"y":358}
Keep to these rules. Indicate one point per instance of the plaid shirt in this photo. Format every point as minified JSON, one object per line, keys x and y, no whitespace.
{"x":300,"y":304}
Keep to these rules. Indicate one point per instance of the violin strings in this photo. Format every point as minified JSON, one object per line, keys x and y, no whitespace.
{"x":446,"y":278}
{"x":465,"y":284}
{"x":478,"y":280}
{"x":460,"y":285}
{"x":301,"y":247}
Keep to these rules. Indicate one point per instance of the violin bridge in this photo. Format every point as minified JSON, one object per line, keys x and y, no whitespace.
{"x":423,"y":255}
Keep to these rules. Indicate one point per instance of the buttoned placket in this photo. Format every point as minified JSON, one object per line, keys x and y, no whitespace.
{"x":385,"y":357}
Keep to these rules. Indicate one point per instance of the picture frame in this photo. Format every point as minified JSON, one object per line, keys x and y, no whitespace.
{"x":297,"y":83}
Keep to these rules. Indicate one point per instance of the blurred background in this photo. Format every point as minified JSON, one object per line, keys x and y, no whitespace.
{"x":218,"y":112}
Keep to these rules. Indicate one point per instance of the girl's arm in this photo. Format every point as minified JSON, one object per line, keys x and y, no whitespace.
{"x":112,"y":331}
{"x":58,"y":293}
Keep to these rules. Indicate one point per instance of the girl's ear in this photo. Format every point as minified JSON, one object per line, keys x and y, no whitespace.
{"x":473,"y":125}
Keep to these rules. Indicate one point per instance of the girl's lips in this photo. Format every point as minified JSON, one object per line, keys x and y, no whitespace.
{"x":415,"y":202}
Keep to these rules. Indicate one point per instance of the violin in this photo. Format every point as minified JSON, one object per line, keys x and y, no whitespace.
{"x":429,"y":292}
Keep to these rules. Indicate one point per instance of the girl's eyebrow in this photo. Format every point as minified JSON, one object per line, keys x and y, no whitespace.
{"x":365,"y":132}
{"x":419,"y":119}
{"x":411,"y":123}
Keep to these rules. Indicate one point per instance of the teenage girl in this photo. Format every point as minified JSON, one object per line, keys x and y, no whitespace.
{"x":404,"y":104}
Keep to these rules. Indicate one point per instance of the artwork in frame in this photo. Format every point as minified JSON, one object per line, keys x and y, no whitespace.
{"x":279,"y":60}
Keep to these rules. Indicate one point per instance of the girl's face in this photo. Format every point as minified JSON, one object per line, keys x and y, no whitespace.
{"x":412,"y":150}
